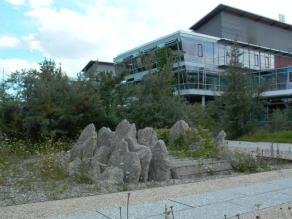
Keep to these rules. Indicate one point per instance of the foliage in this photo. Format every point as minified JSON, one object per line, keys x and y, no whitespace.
{"x":279,"y":120}
{"x":45,"y":103}
{"x":243,"y":162}
{"x":153,"y":102}
{"x":199,"y":138}
{"x":239,"y":103}
{"x":202,"y":116}
{"x":51,"y":169}
{"x":163,"y":134}
{"x":263,"y":135}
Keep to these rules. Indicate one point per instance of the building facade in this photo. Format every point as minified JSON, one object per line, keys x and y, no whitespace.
{"x":95,"y":67}
{"x":201,"y":54}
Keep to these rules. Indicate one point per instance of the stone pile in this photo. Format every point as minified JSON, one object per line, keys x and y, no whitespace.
{"x":121,"y":156}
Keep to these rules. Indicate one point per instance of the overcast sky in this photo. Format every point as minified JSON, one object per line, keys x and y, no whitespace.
{"x":72,"y":32}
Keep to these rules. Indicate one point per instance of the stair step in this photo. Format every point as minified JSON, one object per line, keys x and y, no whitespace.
{"x":187,"y":168}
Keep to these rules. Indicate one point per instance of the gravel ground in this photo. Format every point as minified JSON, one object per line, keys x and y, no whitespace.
{"x":114,"y":200}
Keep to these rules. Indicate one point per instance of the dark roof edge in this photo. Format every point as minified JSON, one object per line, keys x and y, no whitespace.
{"x":241,"y":13}
{"x":91,"y":62}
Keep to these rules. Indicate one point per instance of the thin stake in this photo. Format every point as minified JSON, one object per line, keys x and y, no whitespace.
{"x":103,"y":215}
{"x":128,"y":200}
{"x":171,"y":208}
{"x":120,"y":212}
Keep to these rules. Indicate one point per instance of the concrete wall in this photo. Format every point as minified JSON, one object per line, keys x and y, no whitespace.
{"x":213,"y":27}
{"x":234,"y":27}
{"x":250,"y":31}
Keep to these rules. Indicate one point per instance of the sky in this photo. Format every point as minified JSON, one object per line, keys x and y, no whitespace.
{"x":73,"y":32}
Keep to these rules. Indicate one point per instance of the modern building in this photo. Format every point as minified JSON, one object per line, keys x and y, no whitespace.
{"x":95,"y":67}
{"x":202,"y":54}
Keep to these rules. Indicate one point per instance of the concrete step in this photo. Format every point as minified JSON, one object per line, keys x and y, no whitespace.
{"x":188,"y":168}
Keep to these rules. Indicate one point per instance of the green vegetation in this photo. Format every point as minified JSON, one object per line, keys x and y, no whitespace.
{"x":266,"y":136}
{"x":194,"y":143}
{"x":243,"y":162}
{"x":122,"y":187}
{"x":239,"y":106}
{"x":83,"y":179}
{"x":50,"y":168}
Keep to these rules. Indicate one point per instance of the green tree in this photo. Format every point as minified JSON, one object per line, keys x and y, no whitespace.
{"x":45,"y":103}
{"x":240,"y":102}
{"x":153,"y":102}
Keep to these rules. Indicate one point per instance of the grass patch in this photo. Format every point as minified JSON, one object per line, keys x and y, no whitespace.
{"x":264,"y":136}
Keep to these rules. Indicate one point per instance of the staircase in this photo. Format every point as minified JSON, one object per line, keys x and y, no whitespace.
{"x":182,"y":168}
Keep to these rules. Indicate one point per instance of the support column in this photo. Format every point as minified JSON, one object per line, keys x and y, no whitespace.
{"x":203,"y":101}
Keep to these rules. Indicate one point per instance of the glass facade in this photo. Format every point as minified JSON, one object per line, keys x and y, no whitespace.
{"x":199,"y":61}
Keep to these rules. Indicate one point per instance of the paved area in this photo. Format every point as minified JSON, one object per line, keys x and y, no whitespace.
{"x":265,"y":149}
{"x":245,"y":195}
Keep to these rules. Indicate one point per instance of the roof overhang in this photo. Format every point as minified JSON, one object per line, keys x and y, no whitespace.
{"x":258,"y":18}
{"x":254,"y":46}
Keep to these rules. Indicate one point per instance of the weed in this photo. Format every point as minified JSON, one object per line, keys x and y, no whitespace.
{"x":210,"y":171}
{"x":122,"y":187}
{"x":83,"y":179}
{"x":50,"y":168}
{"x":242,"y":162}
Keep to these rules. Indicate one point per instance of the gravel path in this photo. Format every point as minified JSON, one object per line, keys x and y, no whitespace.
{"x":108,"y":202}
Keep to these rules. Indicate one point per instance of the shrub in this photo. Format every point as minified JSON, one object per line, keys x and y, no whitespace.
{"x":163,"y":134}
{"x":194,"y":143}
{"x":279,"y":120}
{"x":50,"y":167}
{"x":243,"y":162}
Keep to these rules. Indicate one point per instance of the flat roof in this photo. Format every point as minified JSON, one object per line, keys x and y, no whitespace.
{"x":171,"y":36}
{"x":220,"y":8}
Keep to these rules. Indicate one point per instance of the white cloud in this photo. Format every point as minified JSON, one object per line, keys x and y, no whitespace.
{"x":7,"y":41}
{"x":16,"y":2}
{"x":12,"y":65}
{"x":39,"y":3}
{"x":106,"y":28}
{"x":31,"y":3}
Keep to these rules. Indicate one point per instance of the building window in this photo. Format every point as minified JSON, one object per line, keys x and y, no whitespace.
{"x":267,"y":62}
{"x":290,"y":76}
{"x":200,"y":50}
{"x":256,"y":60}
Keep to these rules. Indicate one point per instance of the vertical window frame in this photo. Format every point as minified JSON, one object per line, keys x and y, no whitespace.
{"x":256,"y":60}
{"x":267,"y":62}
{"x":200,"y":51}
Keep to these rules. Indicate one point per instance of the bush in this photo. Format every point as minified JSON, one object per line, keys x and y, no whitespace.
{"x":279,"y":120}
{"x":163,"y":134}
{"x":194,"y":143}
{"x":50,"y":167}
{"x":243,"y":162}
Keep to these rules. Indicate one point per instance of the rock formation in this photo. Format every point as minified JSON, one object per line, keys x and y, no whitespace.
{"x":119,"y":156}
{"x":178,"y":129}
{"x":220,"y":139}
